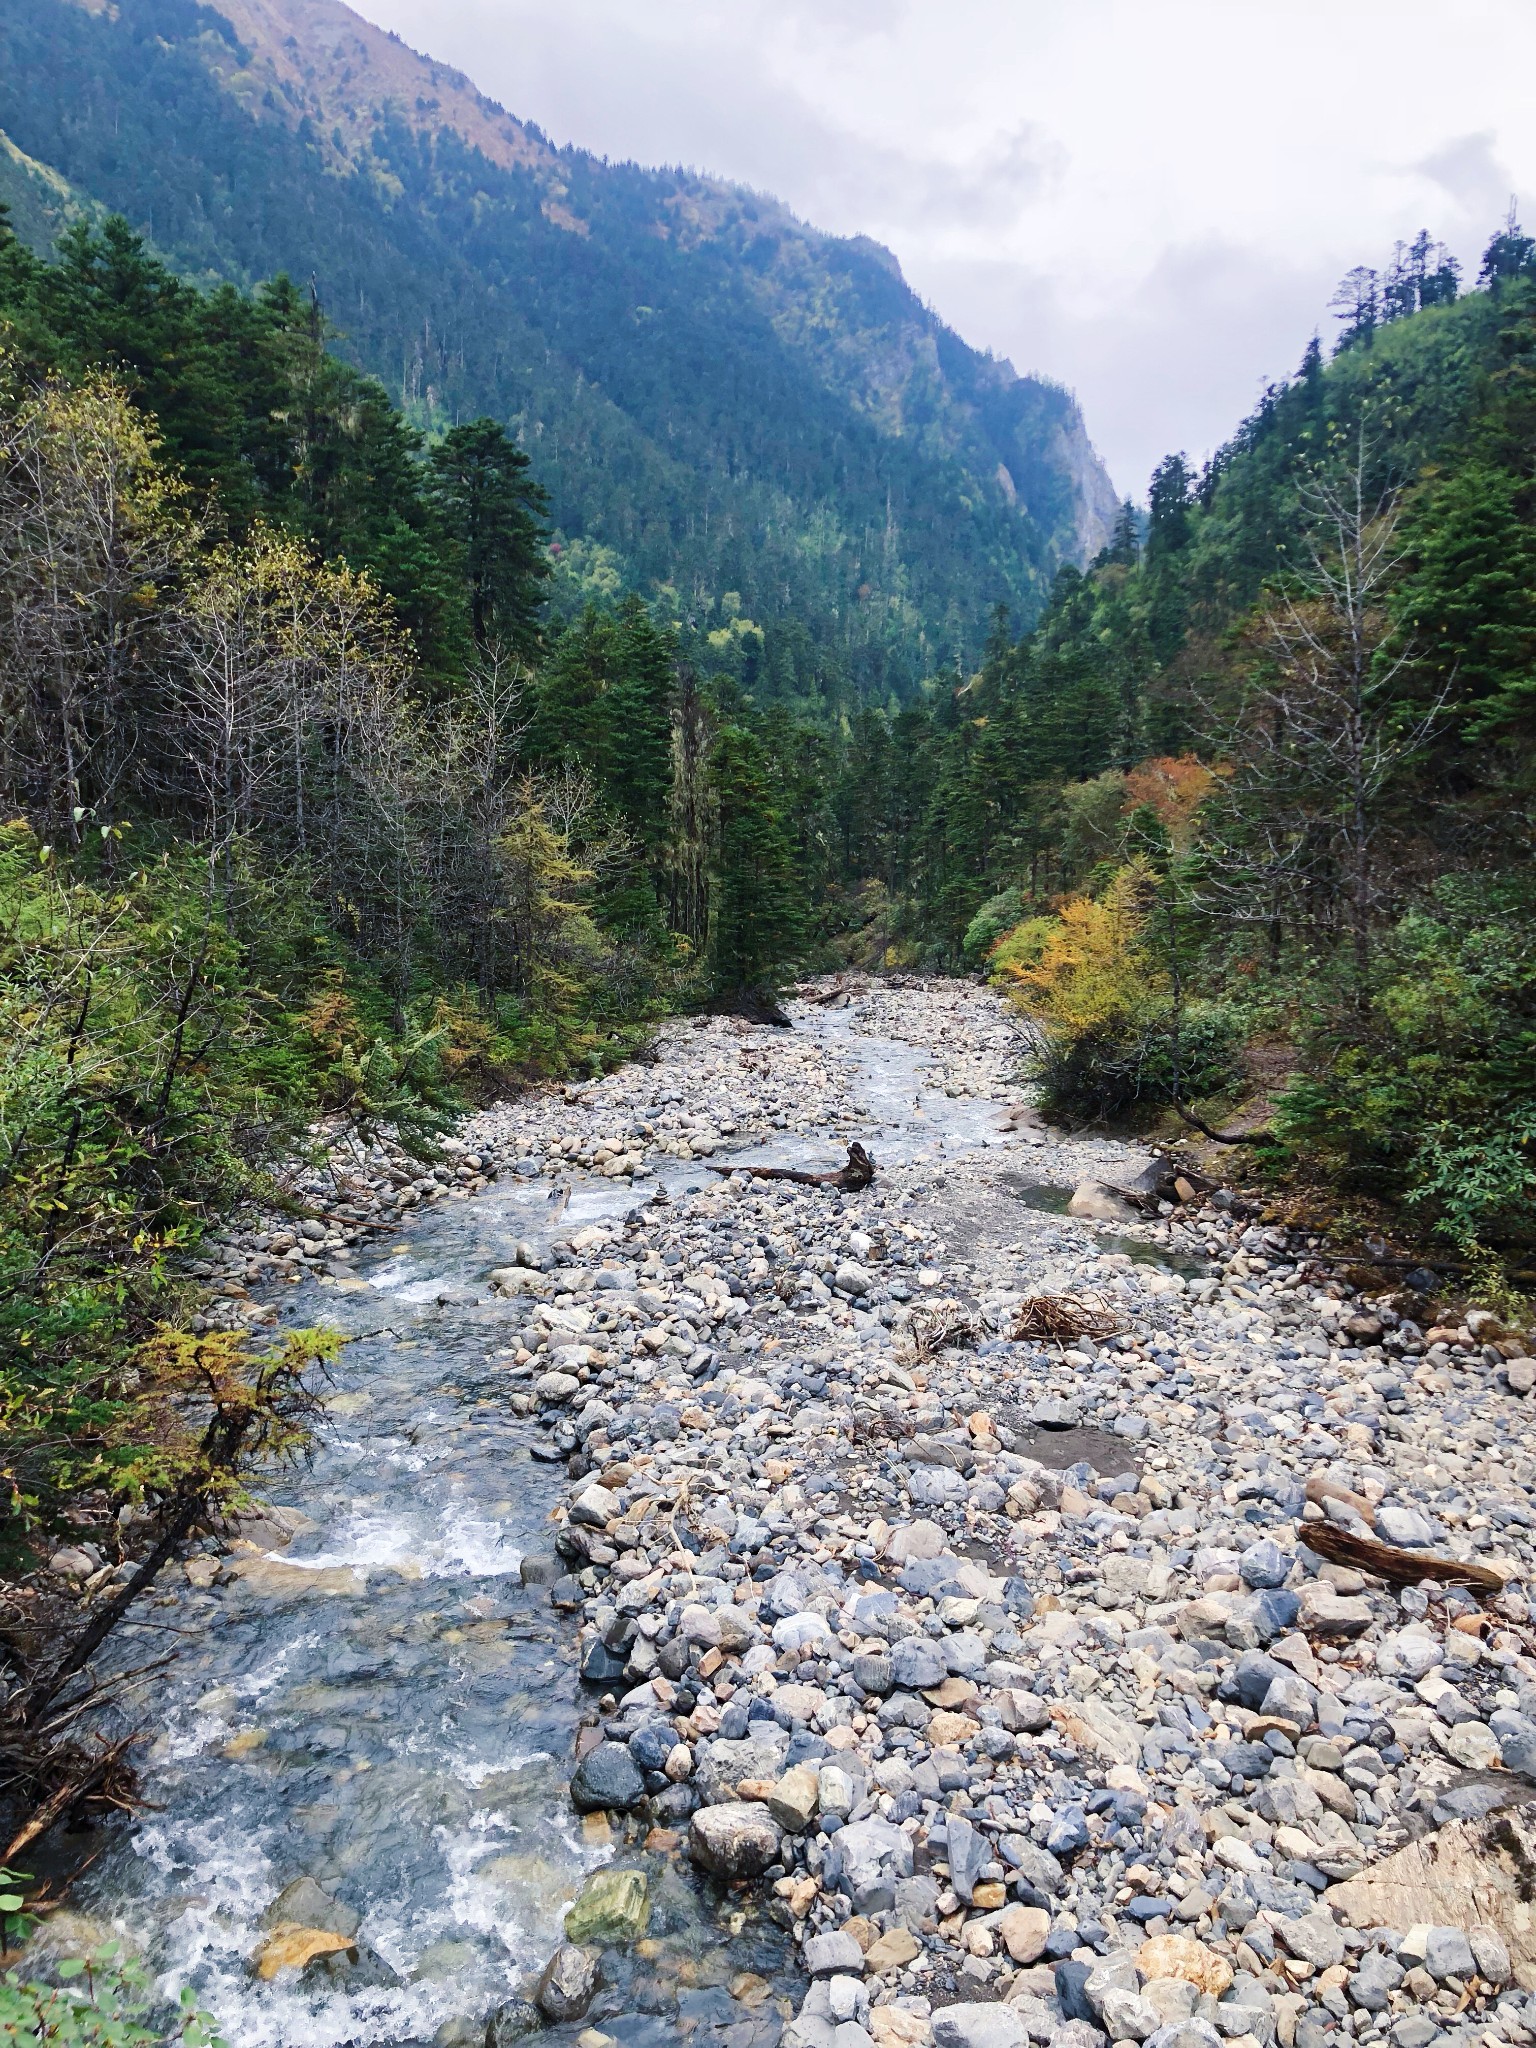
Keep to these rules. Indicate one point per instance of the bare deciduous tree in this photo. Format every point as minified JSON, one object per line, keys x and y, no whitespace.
{"x":1322,"y":728}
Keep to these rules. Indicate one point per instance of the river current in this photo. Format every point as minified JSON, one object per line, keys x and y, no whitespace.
{"x":381,"y":1705}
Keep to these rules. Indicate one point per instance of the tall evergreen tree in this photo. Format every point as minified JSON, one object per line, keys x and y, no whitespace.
{"x":757,"y":924}
{"x":486,"y":494}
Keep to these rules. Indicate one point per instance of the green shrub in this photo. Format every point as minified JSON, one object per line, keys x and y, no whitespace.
{"x":100,"y":2003}
{"x":997,"y":915}
{"x":1426,"y":1094}
{"x":1123,"y":1070}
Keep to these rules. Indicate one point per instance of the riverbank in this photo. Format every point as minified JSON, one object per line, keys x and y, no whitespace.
{"x":981,"y":1662}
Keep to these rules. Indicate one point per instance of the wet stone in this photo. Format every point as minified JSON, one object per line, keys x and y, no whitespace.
{"x":608,"y":1777}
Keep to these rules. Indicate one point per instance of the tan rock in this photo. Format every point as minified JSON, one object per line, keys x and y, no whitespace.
{"x":1024,"y":1929}
{"x":792,"y":1801}
{"x":891,"y":2026}
{"x":947,"y":1729}
{"x":274,"y":1578}
{"x":1180,"y":1955}
{"x":1469,"y":1874}
{"x":954,"y":1692}
{"x":290,"y":1948}
{"x":987,"y":1898}
{"x":892,"y":1951}
{"x":1093,"y":1726}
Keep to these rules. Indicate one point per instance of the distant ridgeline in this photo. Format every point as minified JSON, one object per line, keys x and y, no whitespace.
{"x":759,"y":425}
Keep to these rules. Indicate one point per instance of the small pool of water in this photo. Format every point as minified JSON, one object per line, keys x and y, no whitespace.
{"x":1053,"y":1201}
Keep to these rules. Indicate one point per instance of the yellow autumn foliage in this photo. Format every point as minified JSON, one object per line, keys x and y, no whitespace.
{"x":1090,"y":968}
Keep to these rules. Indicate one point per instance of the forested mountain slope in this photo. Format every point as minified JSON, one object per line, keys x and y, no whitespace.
{"x":762,"y":422}
{"x":1256,"y":795}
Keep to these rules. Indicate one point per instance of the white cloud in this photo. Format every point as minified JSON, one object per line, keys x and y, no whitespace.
{"x":1148,"y":200}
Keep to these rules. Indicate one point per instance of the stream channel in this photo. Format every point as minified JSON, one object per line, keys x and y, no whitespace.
{"x":385,"y":1708}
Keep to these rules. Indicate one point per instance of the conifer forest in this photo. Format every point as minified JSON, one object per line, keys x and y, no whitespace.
{"x":368,"y":757}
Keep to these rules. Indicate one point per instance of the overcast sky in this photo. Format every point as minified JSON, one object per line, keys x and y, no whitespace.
{"x":1149,"y":200}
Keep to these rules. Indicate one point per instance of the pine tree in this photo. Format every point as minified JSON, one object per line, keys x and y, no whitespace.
{"x":488,"y":500}
{"x":756,"y":920}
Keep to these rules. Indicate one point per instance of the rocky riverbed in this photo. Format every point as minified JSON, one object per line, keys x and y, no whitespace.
{"x":946,"y":1576}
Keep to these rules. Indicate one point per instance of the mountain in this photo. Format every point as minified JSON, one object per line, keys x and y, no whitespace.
{"x":725,"y":406}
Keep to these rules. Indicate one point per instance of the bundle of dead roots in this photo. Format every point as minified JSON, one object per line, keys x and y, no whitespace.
{"x":1065,"y":1317}
{"x":944,"y":1330}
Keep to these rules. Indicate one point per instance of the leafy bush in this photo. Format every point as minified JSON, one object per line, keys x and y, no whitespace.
{"x":1427,"y":1093}
{"x":999,"y":914}
{"x":1112,"y":1042}
{"x":99,"y":2003}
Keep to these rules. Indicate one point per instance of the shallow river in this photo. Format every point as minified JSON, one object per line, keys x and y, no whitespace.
{"x":386,"y":1708}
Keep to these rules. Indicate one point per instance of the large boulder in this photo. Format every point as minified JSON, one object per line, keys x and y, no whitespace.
{"x":607,"y":1778}
{"x":738,"y":1839}
{"x":612,"y":1907}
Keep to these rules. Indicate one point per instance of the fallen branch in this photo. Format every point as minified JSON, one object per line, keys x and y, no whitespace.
{"x":1262,"y":1137}
{"x":93,"y":1779}
{"x":857,"y":1174}
{"x":1397,"y":1567}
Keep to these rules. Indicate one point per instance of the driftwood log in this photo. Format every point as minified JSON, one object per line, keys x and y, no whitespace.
{"x":1397,"y":1567}
{"x":857,"y":1174}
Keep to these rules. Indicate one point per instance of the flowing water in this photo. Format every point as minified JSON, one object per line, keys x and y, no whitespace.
{"x":382,"y":1706}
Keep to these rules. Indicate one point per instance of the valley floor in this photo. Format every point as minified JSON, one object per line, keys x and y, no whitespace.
{"x":1005,"y":1672}
{"x":1008,"y":1663}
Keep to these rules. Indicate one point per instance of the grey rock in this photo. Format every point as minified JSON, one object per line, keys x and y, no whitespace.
{"x":828,"y":1955}
{"x":1037,"y":1866}
{"x":809,"y":2030}
{"x":978,"y":2026}
{"x":873,"y":1673}
{"x":866,"y":1861}
{"x":1416,"y":2030}
{"x":1490,"y":1955}
{"x":1077,"y":2034}
{"x":1289,"y":1696}
{"x":737,"y":1839}
{"x":1114,"y":1973}
{"x":1264,"y":1564}
{"x":968,"y":1853}
{"x":1068,"y":1832}
{"x":512,"y":2022}
{"x":304,"y":1904}
{"x":916,"y":1900}
{"x":1314,"y":1938}
{"x":1517,"y":1741}
{"x":607,"y":1778}
{"x":1376,"y":1979}
{"x":1185,"y":2034}
{"x":1405,"y":1527}
{"x":1448,"y":1953}
{"x":566,"y":1987}
{"x":1051,"y":1412}
{"x":1127,"y":2016}
{"x":934,"y":1486}
{"x":916,"y":1662}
